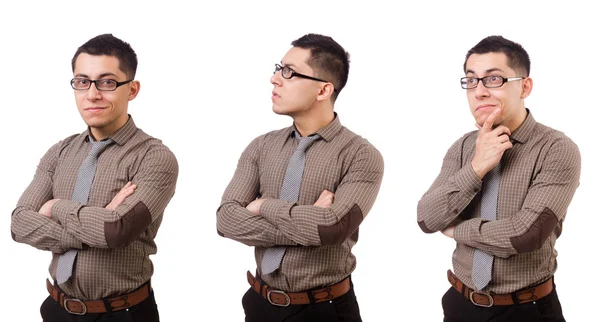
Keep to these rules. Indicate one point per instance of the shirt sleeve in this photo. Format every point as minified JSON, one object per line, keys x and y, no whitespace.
{"x":310,"y":225}
{"x":27,"y":224}
{"x":451,"y":192}
{"x":544,"y":207}
{"x":98,"y":227}
{"x":233,"y":219}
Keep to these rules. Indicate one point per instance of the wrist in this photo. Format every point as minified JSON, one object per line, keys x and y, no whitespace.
{"x":478,"y":170}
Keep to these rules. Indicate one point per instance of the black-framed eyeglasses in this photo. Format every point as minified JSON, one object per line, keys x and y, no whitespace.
{"x":107,"y":85}
{"x":287,"y":73}
{"x":488,"y":81}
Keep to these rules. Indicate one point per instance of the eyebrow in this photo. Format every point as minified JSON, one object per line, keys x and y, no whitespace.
{"x":287,"y":65}
{"x":101,"y":75}
{"x":491,"y":70}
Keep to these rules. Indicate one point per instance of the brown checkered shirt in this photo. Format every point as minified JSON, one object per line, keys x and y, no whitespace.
{"x":113,"y":246}
{"x":540,"y":174}
{"x":319,"y":240}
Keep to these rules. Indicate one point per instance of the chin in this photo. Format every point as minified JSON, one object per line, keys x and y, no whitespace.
{"x":279,"y":110}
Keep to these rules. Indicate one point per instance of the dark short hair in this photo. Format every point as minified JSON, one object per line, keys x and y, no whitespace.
{"x":517,"y":57}
{"x":109,"y":45}
{"x":327,"y":58}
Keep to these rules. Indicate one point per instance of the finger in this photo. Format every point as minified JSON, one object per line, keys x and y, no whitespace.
{"x":489,"y":121}
{"x":323,"y":194}
{"x":501,"y":129}
{"x":505,"y":146}
{"x":126,"y":185}
{"x":127,"y":194}
{"x":478,"y":126}
{"x":503,"y":138}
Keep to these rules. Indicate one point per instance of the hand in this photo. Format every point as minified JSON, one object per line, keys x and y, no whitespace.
{"x":325,"y":199}
{"x":46,"y":209}
{"x":254,"y":206}
{"x":449,"y":231}
{"x":125,"y":192}
{"x":490,"y":145}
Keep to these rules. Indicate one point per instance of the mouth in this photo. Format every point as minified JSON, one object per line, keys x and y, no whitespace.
{"x":274,"y":94}
{"x":94,"y":109}
{"x":485,"y":107}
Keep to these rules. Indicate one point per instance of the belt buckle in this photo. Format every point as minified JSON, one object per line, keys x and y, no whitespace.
{"x":491,"y":299}
{"x":75,"y":300}
{"x":287,"y":298}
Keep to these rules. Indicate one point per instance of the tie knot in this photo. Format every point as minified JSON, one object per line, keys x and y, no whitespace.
{"x":98,"y":146}
{"x":307,"y":141}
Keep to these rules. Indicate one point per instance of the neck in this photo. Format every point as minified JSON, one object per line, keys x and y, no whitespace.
{"x":98,"y":134}
{"x":101,"y":133}
{"x":515,"y":122}
{"x":311,"y":123}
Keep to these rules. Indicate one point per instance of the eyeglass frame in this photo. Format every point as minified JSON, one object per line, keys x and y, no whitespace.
{"x":294,"y":73}
{"x":480,"y":79}
{"x":95,"y":82}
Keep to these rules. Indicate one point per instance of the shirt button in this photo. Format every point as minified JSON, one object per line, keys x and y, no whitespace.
{"x":455,"y":211}
{"x":476,"y":190}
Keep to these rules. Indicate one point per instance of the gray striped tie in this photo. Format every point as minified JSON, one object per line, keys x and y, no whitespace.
{"x":81,"y":194}
{"x":289,"y":192}
{"x":482,"y":261}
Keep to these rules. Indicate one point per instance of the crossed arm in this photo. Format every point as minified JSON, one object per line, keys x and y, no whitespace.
{"x":59,"y":225}
{"x":268,"y":222}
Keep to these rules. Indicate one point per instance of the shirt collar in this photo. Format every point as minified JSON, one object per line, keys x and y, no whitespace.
{"x":121,"y":136}
{"x":525,"y":131}
{"x":328,"y":132}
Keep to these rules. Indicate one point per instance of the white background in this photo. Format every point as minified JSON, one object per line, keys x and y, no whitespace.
{"x":205,"y":92}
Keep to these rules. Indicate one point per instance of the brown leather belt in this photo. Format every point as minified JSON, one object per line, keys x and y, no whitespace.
{"x":79,"y":307}
{"x":281,"y":298}
{"x":489,"y":299}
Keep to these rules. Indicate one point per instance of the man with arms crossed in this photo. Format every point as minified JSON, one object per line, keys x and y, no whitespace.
{"x":502,"y":195}
{"x":97,"y":198}
{"x":299,"y":194}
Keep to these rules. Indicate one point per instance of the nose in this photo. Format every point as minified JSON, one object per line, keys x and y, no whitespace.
{"x":276,"y":78}
{"x":93,"y":93}
{"x":481,"y":91}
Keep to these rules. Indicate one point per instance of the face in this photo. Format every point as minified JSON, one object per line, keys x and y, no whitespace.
{"x":295,"y":96}
{"x":509,"y":97}
{"x":103,"y":111}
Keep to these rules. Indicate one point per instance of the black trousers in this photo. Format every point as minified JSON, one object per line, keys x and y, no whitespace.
{"x":343,"y":308}
{"x":458,"y":308}
{"x":144,"y":312}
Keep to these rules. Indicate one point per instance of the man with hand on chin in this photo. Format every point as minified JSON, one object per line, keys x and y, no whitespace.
{"x":299,"y":194}
{"x":97,"y":198}
{"x":502,"y":195}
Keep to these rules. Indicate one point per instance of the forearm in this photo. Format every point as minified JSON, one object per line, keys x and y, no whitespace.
{"x":504,"y":238}
{"x":84,"y":222}
{"x":32,"y":228}
{"x":446,"y":199}
{"x":311,"y":225}
{"x":238,"y":223}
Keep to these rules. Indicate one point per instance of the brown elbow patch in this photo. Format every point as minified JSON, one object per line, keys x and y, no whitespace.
{"x":424,"y":228}
{"x":122,"y":232}
{"x":537,"y":234}
{"x":14,"y":237}
{"x":336,"y":234}
{"x":220,"y":233}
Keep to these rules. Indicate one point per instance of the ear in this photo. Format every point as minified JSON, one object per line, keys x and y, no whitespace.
{"x":325,"y":92}
{"x":526,"y":87}
{"x":134,"y":89}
